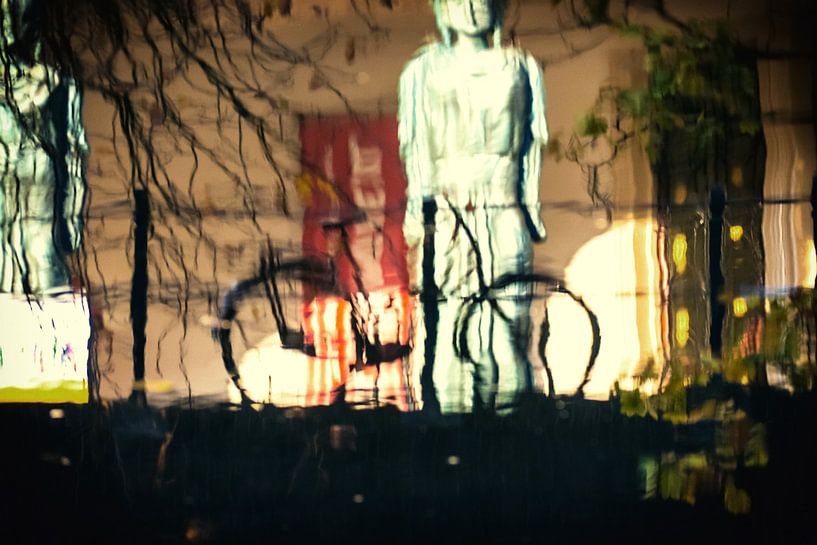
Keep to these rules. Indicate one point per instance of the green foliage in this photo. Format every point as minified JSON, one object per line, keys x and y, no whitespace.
{"x":689,"y":476}
{"x":633,"y":102}
{"x":700,"y":83}
{"x":591,"y":125}
{"x":697,"y":84}
{"x":782,"y":325}
{"x":756,"y":453}
{"x":735,"y":500}
{"x":632,"y":404}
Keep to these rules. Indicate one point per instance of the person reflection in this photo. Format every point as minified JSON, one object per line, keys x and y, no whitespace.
{"x":43,"y":148}
{"x":471,"y":128}
{"x":42,"y":157}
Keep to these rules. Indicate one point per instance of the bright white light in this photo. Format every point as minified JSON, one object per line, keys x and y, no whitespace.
{"x":603,"y":272}
{"x":44,"y":348}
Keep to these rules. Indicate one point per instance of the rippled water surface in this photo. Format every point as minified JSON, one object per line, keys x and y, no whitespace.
{"x":223,"y":321}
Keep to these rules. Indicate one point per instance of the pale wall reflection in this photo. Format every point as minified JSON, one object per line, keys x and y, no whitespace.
{"x":604,"y":272}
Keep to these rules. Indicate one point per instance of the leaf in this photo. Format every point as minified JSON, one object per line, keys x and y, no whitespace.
{"x":650,"y":371}
{"x":735,"y":500}
{"x":749,"y":127}
{"x":632,"y":102}
{"x":695,"y":460}
{"x":591,"y":125}
{"x":649,"y":469}
{"x":757,"y":454}
{"x":791,"y":344}
{"x":670,"y":482}
{"x":631,"y":403}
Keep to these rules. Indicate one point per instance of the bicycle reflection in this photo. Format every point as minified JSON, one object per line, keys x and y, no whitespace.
{"x":371,"y":348}
{"x":347,"y":349}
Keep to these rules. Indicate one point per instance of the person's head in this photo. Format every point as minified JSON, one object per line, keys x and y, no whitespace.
{"x":21,"y":28}
{"x":469,"y":17}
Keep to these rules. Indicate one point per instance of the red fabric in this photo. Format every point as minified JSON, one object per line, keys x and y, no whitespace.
{"x":352,"y":166}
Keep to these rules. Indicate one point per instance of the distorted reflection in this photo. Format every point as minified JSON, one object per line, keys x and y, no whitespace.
{"x":297,"y":291}
{"x":472,"y":123}
{"x":707,"y":472}
{"x":705,"y":270}
{"x":347,"y":339}
{"x":44,"y":338}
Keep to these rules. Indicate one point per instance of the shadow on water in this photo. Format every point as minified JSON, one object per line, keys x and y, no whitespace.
{"x":739,"y":469}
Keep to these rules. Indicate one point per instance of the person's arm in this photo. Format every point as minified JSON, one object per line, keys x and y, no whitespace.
{"x":75,"y":159}
{"x":532,"y":161}
{"x":414,"y":150}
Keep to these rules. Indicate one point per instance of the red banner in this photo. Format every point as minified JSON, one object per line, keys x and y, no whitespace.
{"x":354,"y":190}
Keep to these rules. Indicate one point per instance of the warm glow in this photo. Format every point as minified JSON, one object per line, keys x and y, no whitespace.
{"x":739,"y":307}
{"x":680,"y":194}
{"x":682,"y":327}
{"x":735,"y":232}
{"x":44,"y":349}
{"x":610,"y":296}
{"x":737,"y":176}
{"x":679,"y":252}
{"x":653,"y":299}
{"x":811,"y":265}
{"x":286,"y":376}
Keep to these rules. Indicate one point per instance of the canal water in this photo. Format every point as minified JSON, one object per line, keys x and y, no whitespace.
{"x":721,"y":449}
{"x":740,"y":469}
{"x":232,"y":348}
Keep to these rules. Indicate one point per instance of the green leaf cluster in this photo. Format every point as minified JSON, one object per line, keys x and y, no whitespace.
{"x":591,"y":125}
{"x":785,"y":322}
{"x":700,"y":82}
{"x":697,"y":83}
{"x":669,"y":405}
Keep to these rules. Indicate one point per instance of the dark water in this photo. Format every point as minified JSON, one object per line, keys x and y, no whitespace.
{"x":564,"y":470}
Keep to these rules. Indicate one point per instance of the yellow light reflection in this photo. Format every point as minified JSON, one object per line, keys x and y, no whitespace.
{"x":737,"y":176}
{"x":682,"y":327}
{"x":740,"y":307}
{"x":680,"y":194}
{"x":679,"y":252}
{"x":735,"y":232}
{"x":811,"y":265}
